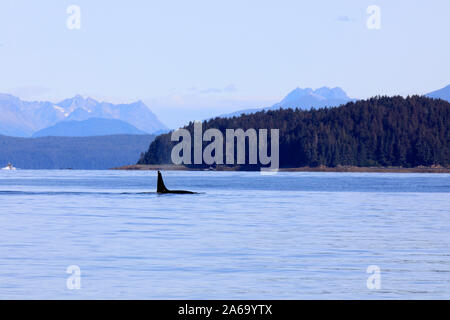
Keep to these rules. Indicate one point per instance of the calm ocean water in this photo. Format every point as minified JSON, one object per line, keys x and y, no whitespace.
{"x":290,"y":235}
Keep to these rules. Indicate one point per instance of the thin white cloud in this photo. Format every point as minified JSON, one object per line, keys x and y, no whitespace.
{"x":210,"y":90}
{"x":178,"y":109}
{"x":30,"y":91}
{"x":344,"y":18}
{"x":228,"y":89}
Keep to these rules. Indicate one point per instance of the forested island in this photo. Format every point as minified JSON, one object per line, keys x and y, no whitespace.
{"x":377,"y":132}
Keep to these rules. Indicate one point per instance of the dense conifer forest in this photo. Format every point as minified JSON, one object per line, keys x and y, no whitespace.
{"x":101,"y":152}
{"x":381,"y":131}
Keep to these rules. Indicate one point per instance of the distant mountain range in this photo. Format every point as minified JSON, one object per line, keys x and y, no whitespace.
{"x":86,"y":153}
{"x":443,"y":94}
{"x":323,"y":97}
{"x":26,"y":119}
{"x":304,"y":99}
{"x":87,"y":128}
{"x":23,"y":119}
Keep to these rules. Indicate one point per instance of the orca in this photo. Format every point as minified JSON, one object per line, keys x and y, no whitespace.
{"x":161,"y":188}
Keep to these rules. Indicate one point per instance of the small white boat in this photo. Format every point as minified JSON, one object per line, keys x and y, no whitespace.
{"x":9,"y":167}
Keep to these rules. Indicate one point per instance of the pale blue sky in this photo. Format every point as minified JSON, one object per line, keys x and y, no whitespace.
{"x":192,"y":59}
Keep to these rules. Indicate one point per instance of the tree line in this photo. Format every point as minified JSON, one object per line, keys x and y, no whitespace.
{"x":84,"y":153}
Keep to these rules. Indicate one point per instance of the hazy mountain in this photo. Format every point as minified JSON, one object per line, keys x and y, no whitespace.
{"x":162,"y":131}
{"x":136,"y":113}
{"x":305,"y":99}
{"x":87,"y":128}
{"x":308,"y":98}
{"x":72,"y":152}
{"x":443,"y":94}
{"x":23,"y":118}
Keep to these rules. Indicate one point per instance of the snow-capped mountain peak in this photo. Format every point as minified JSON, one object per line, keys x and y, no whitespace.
{"x":22,"y":118}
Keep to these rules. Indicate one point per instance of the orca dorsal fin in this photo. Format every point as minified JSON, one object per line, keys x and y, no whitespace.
{"x":161,"y":188}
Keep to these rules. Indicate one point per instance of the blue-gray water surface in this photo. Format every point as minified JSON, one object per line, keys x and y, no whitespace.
{"x":244,"y":236}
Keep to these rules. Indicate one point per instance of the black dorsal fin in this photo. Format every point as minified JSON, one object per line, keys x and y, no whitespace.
{"x":161,"y":188}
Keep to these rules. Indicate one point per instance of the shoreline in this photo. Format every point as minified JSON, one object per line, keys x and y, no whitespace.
{"x":168,"y":167}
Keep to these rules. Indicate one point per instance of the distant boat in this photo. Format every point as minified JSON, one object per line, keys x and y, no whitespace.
{"x":9,"y":167}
